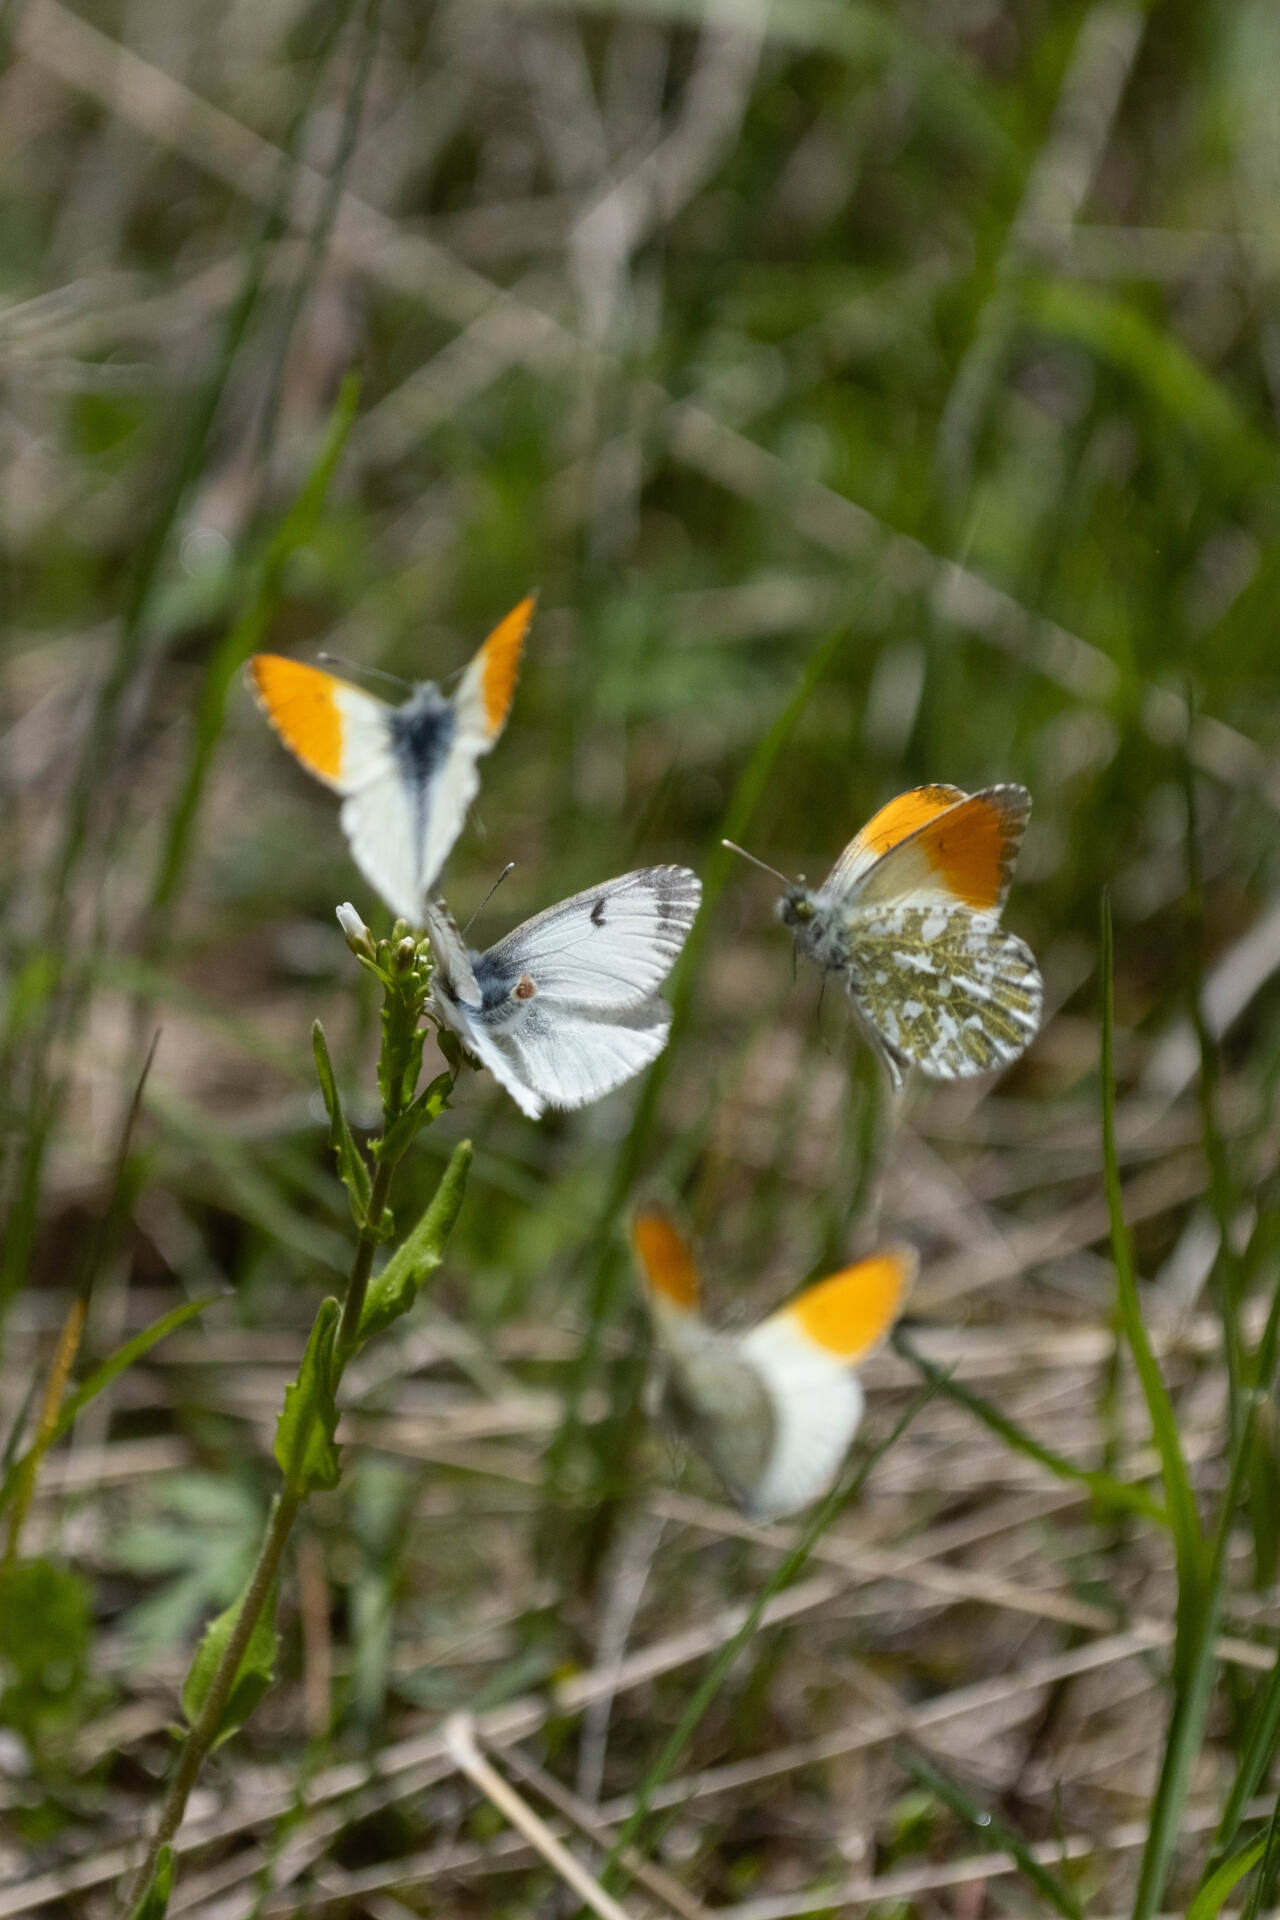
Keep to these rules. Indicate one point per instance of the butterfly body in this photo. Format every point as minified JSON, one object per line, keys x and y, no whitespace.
{"x":773,"y":1409}
{"x":722,"y":1404}
{"x":407,"y":773}
{"x":910,"y":918}
{"x":565,"y":1008}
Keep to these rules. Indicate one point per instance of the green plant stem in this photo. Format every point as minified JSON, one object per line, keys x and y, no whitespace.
{"x":288,"y":1504}
{"x":358,"y":1286}
{"x":202,"y":1735}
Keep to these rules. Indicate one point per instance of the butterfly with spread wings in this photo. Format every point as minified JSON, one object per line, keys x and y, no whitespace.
{"x":773,"y":1409}
{"x":407,"y":773}
{"x":566,"y":1008}
{"x":910,"y":917}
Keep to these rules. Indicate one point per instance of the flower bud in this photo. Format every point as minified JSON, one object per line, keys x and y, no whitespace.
{"x":355,"y":932}
{"x":406,"y":953}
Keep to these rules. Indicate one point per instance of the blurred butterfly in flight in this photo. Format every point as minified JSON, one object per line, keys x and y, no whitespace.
{"x":407,"y":774}
{"x":774,"y":1409}
{"x":910,"y":915}
{"x":566,"y":1008}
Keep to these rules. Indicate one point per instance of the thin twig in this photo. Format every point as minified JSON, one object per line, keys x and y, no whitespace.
{"x":460,"y":1744}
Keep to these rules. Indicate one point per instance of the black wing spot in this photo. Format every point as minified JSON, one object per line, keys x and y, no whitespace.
{"x":597,"y":912}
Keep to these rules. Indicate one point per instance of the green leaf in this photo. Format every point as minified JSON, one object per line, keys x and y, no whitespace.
{"x":255,"y":1673}
{"x":1208,"y":1901}
{"x":305,"y":1431}
{"x":102,"y":1376}
{"x":154,"y":1903}
{"x":428,"y":1106}
{"x":352,"y":1171}
{"x":395,"y":1289}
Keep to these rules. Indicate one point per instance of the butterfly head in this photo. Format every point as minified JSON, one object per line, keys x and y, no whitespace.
{"x":796,"y":908}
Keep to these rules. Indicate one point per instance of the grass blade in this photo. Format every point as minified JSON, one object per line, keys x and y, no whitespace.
{"x":1184,"y":1516}
{"x":1200,"y":1584}
{"x":1105,"y":1488}
{"x":1264,"y":1885}
{"x":110,"y":1369}
{"x":1220,"y":1884}
{"x":993,"y":1831}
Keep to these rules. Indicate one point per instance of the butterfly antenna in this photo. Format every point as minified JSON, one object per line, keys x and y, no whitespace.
{"x":377,"y":673}
{"x":488,"y":897}
{"x":762,"y":864}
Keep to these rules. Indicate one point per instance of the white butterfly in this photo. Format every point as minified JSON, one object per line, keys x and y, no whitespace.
{"x":407,"y":773}
{"x":566,"y":1008}
{"x":773,"y":1409}
{"x":910,"y":917}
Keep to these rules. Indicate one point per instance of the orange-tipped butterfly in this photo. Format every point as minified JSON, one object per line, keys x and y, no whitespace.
{"x":773,"y":1409}
{"x":910,"y":915}
{"x":407,"y":774}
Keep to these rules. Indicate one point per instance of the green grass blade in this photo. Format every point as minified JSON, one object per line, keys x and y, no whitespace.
{"x":1184,"y":1516}
{"x":1105,"y":1488}
{"x":1263,"y":1732}
{"x":1264,"y":1885}
{"x":110,"y":1369}
{"x":1193,"y":1657}
{"x":993,"y":1831}
{"x":1219,"y":1886}
{"x":1227,"y":1275}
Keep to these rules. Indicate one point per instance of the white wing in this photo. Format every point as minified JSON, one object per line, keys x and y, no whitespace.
{"x":449,"y":952}
{"x":382,"y":826}
{"x":564,"y":1009}
{"x":444,"y":810}
{"x":609,"y":947}
{"x":817,"y":1404}
{"x":557,"y":1058}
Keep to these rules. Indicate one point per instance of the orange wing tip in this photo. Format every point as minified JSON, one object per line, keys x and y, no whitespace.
{"x":667,"y":1262}
{"x":300,"y":703}
{"x":899,"y":818}
{"x":973,"y":852}
{"x":500,"y":655}
{"x":851,"y":1312}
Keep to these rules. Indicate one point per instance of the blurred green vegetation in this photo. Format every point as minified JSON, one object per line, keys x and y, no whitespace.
{"x":929,"y":352}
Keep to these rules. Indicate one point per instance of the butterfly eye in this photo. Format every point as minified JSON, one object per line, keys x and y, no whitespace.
{"x":524,"y":988}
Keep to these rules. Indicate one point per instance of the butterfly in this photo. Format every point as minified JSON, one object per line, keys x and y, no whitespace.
{"x":910,"y":915}
{"x":773,"y":1409}
{"x":565,"y":1008}
{"x":407,"y":773}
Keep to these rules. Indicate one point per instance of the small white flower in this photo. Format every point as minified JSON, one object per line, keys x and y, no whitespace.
{"x":355,"y":932}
